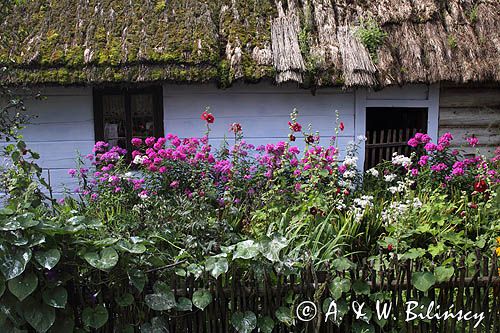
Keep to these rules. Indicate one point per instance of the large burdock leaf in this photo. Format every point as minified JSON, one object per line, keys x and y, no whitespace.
{"x":48,"y":259}
{"x":284,"y":315}
{"x":127,"y":246}
{"x":423,"y":281}
{"x":271,"y":247}
{"x":78,"y":223}
{"x":339,"y":286}
{"x":55,"y":297}
{"x":124,"y":300}
{"x":13,"y":261}
{"x":104,"y":260}
{"x":443,"y":273}
{"x":23,"y":221}
{"x":22,"y":286}
{"x":217,"y":265}
{"x":137,"y":278}
{"x":265,"y":324}
{"x":246,"y":250}
{"x":201,"y":298}
{"x":157,"y":325}
{"x":244,"y":322}
{"x":40,"y":316}
{"x":163,"y":299}
{"x":95,"y":317}
{"x":184,"y":304}
{"x":342,"y":264}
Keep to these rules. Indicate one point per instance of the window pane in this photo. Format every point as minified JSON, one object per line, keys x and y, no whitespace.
{"x":113,"y":108}
{"x":141,"y":107}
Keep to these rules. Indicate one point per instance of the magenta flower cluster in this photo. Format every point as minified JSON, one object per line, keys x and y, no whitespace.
{"x":191,"y":166}
{"x":447,"y":165}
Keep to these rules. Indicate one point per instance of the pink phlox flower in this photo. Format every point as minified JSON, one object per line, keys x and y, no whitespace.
{"x":473,"y":141}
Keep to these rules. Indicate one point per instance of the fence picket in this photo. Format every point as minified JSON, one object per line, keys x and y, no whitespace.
{"x":474,"y":287}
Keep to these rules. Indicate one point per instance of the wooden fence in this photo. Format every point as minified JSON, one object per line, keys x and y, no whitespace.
{"x":474,"y":287}
{"x":381,"y":144}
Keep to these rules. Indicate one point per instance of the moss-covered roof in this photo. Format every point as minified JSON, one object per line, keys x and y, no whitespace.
{"x":315,"y":42}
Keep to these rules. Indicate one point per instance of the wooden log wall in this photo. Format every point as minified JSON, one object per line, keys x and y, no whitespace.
{"x":471,"y":110}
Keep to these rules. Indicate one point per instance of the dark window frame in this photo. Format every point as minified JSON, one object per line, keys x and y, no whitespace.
{"x":127,"y":92}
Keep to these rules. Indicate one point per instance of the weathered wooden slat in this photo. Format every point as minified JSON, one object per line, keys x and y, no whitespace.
{"x":381,"y":151}
{"x":469,"y":97}
{"x":469,"y":117}
{"x":374,"y":140}
{"x":486,"y":136}
{"x":388,"y":149}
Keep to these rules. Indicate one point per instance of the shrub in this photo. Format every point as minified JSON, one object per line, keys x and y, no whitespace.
{"x":181,"y":209}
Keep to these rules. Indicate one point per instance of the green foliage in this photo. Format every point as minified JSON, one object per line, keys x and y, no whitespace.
{"x":202,"y":298}
{"x":473,"y":13}
{"x":423,"y":281}
{"x":160,"y":5}
{"x":244,"y":322}
{"x":371,"y":35}
{"x":452,"y":41}
{"x":76,"y":264}
{"x":12,"y":109}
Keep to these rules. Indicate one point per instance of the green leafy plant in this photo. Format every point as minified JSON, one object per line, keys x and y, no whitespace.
{"x":222,"y":221}
{"x":371,"y":35}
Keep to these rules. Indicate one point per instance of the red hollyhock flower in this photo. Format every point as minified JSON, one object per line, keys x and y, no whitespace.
{"x":208,"y":117}
{"x":480,"y":186}
{"x":341,"y":126}
{"x":310,"y":139}
{"x":296,"y":127}
{"x":291,"y":137}
{"x":235,"y":128}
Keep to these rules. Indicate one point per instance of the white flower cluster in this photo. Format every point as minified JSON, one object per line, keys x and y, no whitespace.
{"x":139,"y":159}
{"x":400,"y":160}
{"x":374,"y":172}
{"x":361,"y":138}
{"x":397,"y":209}
{"x":399,"y":188}
{"x":364,"y":201}
{"x":390,"y":177}
{"x":340,"y":206}
{"x":350,"y":161}
{"x":416,"y":203}
{"x":360,"y":205}
{"x":349,"y":174}
{"x":347,"y":183}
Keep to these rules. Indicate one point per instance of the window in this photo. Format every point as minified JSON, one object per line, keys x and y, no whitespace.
{"x":124,"y":113}
{"x":389,"y":129}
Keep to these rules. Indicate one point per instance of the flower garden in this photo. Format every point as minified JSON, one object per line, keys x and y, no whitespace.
{"x":180,"y":212}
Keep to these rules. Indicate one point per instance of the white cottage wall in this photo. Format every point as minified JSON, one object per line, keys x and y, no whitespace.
{"x":62,"y":125}
{"x":65,"y":122}
{"x":263,"y":111}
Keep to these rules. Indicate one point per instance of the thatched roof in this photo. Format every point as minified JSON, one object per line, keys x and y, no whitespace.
{"x":314,"y":42}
